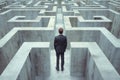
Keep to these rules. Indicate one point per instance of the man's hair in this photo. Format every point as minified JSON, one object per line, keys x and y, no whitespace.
{"x":60,"y":30}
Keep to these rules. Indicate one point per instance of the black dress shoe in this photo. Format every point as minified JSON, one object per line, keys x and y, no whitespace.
{"x":57,"y":68}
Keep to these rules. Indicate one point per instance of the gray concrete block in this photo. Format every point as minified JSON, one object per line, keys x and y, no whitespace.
{"x":21,"y":69}
{"x":97,"y":65}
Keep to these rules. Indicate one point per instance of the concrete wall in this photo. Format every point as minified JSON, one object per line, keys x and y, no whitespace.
{"x":89,"y":13}
{"x":30,"y":61}
{"x":14,"y":42}
{"x":106,"y":41}
{"x":103,"y":2}
{"x":5,"y":28}
{"x":37,"y":22}
{"x":110,"y":50}
{"x":116,"y":26}
{"x":78,"y":62}
{"x":114,"y":5}
{"x":36,"y":65}
{"x":101,"y":22}
{"x":90,"y":62}
{"x":82,"y":36}
{"x":31,"y":19}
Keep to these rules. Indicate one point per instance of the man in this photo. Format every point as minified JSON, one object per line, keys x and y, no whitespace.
{"x":60,"y":44}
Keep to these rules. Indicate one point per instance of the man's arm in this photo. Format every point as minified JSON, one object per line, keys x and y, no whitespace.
{"x":55,"y":43}
{"x":65,"y":42}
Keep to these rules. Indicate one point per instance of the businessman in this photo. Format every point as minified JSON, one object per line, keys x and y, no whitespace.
{"x":60,"y":44}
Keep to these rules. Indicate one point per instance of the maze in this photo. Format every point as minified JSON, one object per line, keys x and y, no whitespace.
{"x":28,"y":28}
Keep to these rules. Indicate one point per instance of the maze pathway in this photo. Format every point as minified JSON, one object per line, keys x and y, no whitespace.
{"x":60,"y":75}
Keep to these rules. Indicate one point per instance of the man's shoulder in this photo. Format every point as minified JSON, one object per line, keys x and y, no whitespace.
{"x":64,"y":36}
{"x":60,"y":36}
{"x":56,"y":36}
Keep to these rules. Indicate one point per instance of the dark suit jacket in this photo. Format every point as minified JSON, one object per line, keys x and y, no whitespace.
{"x":60,"y":43}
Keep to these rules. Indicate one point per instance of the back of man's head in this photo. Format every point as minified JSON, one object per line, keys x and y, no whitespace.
{"x":60,"y":30}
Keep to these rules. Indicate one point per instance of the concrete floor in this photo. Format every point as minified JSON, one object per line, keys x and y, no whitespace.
{"x":60,"y":75}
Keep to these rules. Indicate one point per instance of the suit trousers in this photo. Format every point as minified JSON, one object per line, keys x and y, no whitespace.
{"x":58,"y":55}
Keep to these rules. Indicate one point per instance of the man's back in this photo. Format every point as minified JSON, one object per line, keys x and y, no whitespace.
{"x":60,"y":43}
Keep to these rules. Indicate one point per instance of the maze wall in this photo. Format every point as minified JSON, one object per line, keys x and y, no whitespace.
{"x":28,"y":28}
